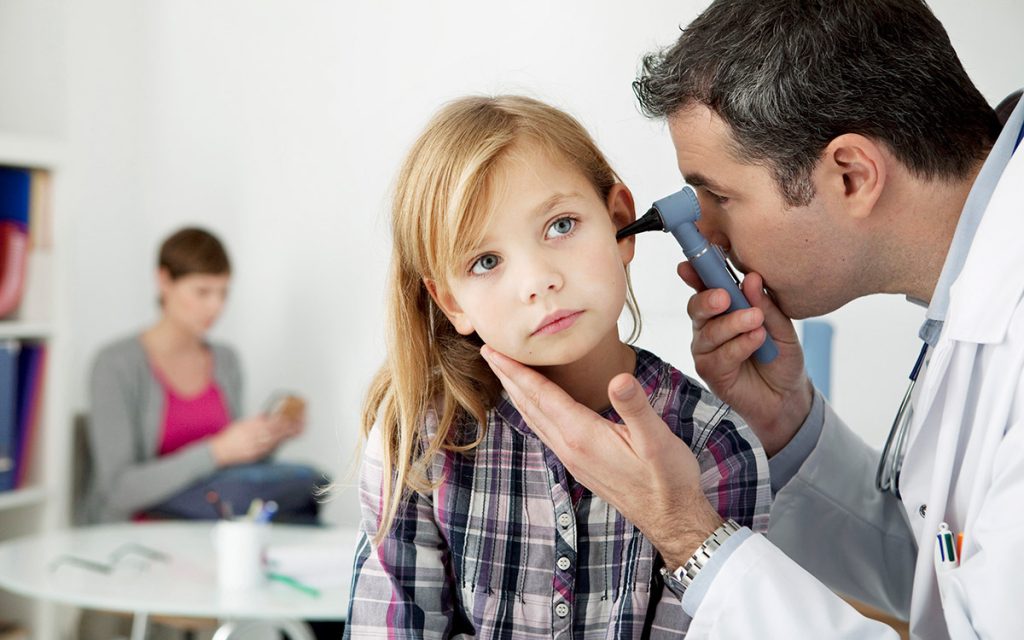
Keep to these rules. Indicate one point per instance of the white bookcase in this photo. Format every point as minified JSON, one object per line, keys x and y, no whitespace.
{"x":41,"y":504}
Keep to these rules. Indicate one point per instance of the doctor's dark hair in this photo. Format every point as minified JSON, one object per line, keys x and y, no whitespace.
{"x":789,"y":76}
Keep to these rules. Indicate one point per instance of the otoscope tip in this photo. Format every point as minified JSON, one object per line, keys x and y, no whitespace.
{"x":650,"y":221}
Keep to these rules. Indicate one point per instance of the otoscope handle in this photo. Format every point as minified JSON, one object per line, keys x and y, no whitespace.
{"x":713,"y":272}
{"x":678,"y":213}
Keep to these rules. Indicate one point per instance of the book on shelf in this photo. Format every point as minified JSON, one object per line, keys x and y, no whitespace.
{"x":8,"y":410}
{"x":40,"y":211}
{"x":15,"y":187}
{"x":21,"y":374}
{"x":31,"y":369}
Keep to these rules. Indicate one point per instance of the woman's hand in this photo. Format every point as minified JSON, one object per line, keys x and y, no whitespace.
{"x":773,"y":398}
{"x":640,"y":467}
{"x":252,"y":439}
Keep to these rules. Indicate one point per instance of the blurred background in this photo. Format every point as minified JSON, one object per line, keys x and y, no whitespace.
{"x":281,"y":125}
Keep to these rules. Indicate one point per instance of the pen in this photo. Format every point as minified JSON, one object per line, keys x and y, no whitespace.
{"x":255,"y":507}
{"x":946,"y":547}
{"x":292,"y":582}
{"x":267,"y":512}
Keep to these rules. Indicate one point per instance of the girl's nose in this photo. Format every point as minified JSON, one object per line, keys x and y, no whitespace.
{"x":539,"y":280}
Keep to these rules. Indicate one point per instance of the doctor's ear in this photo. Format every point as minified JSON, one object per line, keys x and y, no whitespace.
{"x":623,"y":212}
{"x":449,"y":306}
{"x":854,"y":173}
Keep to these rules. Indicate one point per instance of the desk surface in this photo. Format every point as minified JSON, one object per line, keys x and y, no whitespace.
{"x":186,"y":584}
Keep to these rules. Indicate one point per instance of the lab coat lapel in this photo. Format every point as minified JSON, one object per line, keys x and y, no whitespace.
{"x":982,"y":302}
{"x":984,"y":296}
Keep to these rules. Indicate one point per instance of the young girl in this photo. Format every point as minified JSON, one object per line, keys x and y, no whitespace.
{"x":504,"y":227}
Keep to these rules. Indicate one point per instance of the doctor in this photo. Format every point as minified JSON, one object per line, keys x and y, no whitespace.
{"x":840,"y":150}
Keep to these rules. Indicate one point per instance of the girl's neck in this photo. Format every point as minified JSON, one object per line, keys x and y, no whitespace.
{"x":166,"y":338}
{"x":586,"y":380}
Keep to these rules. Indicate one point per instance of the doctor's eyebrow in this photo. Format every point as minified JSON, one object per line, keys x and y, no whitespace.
{"x":697,"y":180}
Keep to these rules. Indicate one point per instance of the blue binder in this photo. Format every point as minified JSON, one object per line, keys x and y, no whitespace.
{"x":8,"y":412}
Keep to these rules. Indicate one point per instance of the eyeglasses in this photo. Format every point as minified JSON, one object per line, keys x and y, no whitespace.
{"x":887,"y":477}
{"x":125,"y":550}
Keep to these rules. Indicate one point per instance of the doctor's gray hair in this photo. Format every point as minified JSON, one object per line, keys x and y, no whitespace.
{"x":789,"y":76}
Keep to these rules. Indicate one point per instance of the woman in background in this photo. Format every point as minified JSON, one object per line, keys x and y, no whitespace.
{"x":166,"y":403}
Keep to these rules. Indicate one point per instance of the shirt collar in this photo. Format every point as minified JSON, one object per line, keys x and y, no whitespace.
{"x":970,"y":218}
{"x":647,"y":372}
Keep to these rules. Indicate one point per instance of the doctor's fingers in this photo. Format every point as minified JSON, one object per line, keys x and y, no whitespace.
{"x":559,"y":421}
{"x":717,"y":331}
{"x":778,"y":324}
{"x":689,"y":276}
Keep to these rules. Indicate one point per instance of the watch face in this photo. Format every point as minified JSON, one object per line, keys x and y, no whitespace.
{"x":672,"y":583}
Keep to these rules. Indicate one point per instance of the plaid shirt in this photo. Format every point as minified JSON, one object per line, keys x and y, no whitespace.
{"x":510,"y":546}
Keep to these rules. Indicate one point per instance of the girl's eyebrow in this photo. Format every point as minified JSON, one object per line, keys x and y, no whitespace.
{"x":542,"y":209}
{"x":552,"y":202}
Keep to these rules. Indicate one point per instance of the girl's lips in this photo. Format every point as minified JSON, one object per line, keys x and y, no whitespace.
{"x":557,"y":322}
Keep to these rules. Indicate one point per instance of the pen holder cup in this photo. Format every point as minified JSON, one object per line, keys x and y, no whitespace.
{"x":241,"y":554}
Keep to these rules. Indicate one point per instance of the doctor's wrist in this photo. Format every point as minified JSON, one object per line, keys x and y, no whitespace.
{"x":689,"y":534}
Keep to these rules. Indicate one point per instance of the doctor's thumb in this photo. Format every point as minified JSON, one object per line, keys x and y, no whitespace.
{"x":644,"y":426}
{"x":776,"y":323}
{"x":628,"y":397}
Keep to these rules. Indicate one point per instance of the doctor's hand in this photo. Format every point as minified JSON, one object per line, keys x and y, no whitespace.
{"x":640,"y":467}
{"x":773,"y":398}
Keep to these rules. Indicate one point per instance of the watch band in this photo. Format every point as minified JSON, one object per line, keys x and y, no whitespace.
{"x":677,"y":581}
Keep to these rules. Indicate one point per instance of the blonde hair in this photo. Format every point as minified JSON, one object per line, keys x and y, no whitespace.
{"x":438,"y":215}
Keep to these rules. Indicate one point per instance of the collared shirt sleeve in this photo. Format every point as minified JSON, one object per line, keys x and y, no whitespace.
{"x":734,"y":470}
{"x":788,"y":461}
{"x":401,"y":587}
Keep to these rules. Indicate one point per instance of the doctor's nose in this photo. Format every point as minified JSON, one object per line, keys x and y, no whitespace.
{"x":708,"y":224}
{"x":538,"y":280}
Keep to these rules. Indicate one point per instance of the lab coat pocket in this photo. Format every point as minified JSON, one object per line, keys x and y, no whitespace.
{"x":954,"y":602}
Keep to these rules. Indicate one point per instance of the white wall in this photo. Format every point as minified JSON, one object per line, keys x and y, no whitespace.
{"x":280,"y":125}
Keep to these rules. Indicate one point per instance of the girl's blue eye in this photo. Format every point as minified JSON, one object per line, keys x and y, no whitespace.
{"x":484,"y":263}
{"x":561,"y":227}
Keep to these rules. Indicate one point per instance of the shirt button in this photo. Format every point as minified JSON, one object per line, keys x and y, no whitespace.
{"x":563,"y":563}
{"x":922,"y":510}
{"x":562,"y":609}
{"x":565,"y":520}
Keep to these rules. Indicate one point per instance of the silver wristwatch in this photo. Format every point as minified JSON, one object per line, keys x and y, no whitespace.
{"x":677,"y":581}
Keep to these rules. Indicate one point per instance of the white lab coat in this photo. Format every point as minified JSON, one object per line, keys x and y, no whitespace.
{"x":964,"y":466}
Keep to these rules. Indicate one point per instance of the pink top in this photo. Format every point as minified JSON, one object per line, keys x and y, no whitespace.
{"x":187,"y":419}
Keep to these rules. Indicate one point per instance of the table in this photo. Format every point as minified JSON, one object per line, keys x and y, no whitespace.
{"x":182,"y":584}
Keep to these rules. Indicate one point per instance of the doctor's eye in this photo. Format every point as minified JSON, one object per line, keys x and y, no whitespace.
{"x":484,"y":263}
{"x":561,"y":227}
{"x":717,"y":198}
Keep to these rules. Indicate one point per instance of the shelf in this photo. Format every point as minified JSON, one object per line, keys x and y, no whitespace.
{"x":25,"y":330}
{"x":21,"y":498}
{"x":29,"y":151}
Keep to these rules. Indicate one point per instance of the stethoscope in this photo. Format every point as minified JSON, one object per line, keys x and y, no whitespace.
{"x":887,"y":477}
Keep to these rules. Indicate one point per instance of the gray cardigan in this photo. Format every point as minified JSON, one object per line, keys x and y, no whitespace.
{"x":124,"y":426}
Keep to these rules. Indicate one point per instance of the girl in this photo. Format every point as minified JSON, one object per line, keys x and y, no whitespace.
{"x":504,"y":228}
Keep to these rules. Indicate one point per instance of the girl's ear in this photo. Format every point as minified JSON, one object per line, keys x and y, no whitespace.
{"x":623,"y":212}
{"x":446,"y":302}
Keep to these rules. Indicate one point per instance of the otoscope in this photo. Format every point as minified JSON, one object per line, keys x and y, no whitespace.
{"x":678,"y":214}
